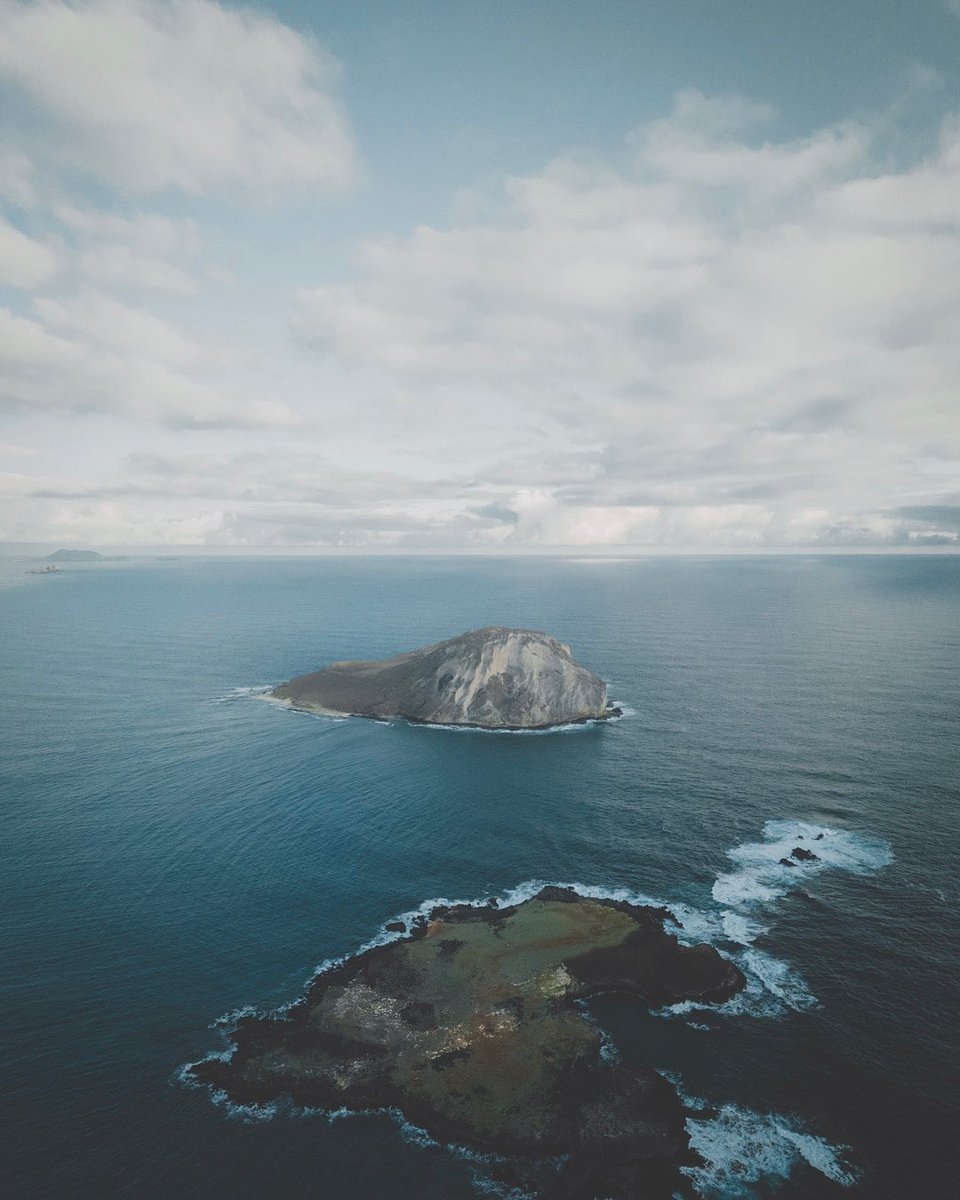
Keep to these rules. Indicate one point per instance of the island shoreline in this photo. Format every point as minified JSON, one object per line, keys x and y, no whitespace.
{"x":663,"y":971}
{"x":613,"y":713}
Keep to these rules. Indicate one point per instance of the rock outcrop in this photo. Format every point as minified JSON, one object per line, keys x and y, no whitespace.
{"x":473,"y":1027}
{"x":493,"y":678}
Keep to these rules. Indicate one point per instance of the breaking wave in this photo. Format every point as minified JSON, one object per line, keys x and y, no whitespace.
{"x":741,"y":1148}
{"x":761,"y":874}
{"x":243,"y":693}
{"x":764,"y":873}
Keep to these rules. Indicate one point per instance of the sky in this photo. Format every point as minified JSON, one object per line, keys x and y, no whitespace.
{"x":479,"y":276}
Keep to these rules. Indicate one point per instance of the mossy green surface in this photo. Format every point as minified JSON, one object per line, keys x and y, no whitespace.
{"x":472,"y":1027}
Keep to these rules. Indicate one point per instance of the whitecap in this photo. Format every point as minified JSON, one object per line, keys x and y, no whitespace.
{"x":248,"y":1114}
{"x":493,"y":1187}
{"x":571,"y":727}
{"x":244,"y":693}
{"x":228,"y":1020}
{"x":778,"y":978}
{"x":762,"y":876}
{"x":774,"y":988}
{"x":740,"y":929}
{"x":741,"y":1148}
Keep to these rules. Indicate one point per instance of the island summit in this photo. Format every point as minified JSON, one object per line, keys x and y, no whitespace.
{"x":492,"y":678}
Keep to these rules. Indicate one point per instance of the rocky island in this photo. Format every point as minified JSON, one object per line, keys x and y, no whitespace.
{"x":471,"y":1025}
{"x":492,"y":678}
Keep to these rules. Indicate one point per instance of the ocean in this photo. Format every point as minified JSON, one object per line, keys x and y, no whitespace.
{"x":174,"y":849}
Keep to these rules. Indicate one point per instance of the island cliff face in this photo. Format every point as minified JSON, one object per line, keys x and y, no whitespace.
{"x":493,"y":678}
{"x":472,"y":1026}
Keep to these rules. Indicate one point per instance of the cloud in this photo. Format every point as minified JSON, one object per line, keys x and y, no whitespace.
{"x":97,"y":357}
{"x":118,"y":328}
{"x":102,"y":102}
{"x":939,"y":517}
{"x":760,"y":338}
{"x":270,"y":497}
{"x":143,"y":251}
{"x":24,"y":263}
{"x":718,"y":338}
{"x":286,"y":497}
{"x":148,"y":95}
{"x":17,"y":185}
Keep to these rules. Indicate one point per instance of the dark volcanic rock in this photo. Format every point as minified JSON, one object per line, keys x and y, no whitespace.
{"x":491,"y":678}
{"x":802,"y":855}
{"x":471,"y":1026}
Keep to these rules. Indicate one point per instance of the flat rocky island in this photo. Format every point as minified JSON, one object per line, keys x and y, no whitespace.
{"x":491,"y":678}
{"x":470,"y":1025}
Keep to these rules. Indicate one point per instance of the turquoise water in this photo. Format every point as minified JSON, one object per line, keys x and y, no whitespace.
{"x":174,"y":848}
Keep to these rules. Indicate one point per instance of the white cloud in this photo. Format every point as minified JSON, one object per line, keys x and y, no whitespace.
{"x":24,"y":263}
{"x":118,"y":328}
{"x":701,"y":143}
{"x":104,"y":522}
{"x":287,"y":497}
{"x":143,"y":251}
{"x":60,"y":365}
{"x":17,"y":184}
{"x":722,"y":339}
{"x":271,"y":497}
{"x":761,"y":339}
{"x":154,"y":94}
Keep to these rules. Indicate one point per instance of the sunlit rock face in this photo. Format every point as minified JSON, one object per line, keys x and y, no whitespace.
{"x":493,"y":678}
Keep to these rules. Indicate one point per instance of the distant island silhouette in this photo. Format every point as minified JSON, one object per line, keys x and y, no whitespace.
{"x":80,"y":556}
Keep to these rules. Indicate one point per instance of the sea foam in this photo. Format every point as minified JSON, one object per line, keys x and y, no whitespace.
{"x":243,"y":693}
{"x":749,"y":895}
{"x":760,"y":878}
{"x":741,"y":1148}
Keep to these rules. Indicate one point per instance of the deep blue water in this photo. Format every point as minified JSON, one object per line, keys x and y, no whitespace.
{"x":173,"y":848}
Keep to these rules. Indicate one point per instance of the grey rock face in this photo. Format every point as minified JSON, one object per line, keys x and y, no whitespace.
{"x":494,"y":678}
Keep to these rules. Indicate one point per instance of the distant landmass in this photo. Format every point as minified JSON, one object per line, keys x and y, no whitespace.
{"x":471,"y":1024}
{"x":491,"y":678}
{"x":82,"y":556}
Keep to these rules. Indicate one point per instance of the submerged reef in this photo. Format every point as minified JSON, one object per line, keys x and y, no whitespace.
{"x":493,"y":678}
{"x":471,"y":1025}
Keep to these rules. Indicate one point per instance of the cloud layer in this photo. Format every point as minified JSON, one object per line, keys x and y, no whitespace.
{"x":718,"y":337}
{"x":742,"y":340}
